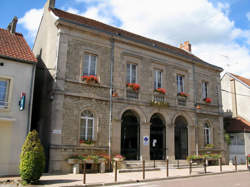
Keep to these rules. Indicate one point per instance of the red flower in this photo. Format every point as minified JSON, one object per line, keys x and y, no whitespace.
{"x":90,"y":78}
{"x":208,"y":100}
{"x":183,"y":94}
{"x":161,"y":90}
{"x":134,"y":86}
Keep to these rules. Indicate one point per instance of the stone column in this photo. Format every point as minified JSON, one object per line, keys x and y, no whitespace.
{"x":116,"y":137}
{"x":144,"y":149}
{"x":170,"y":142}
{"x":191,"y":139}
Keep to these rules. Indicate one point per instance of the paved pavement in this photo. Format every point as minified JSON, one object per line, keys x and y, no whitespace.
{"x":94,"y":179}
{"x":225,"y":180}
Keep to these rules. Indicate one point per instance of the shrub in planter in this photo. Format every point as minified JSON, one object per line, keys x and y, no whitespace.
{"x":32,"y":159}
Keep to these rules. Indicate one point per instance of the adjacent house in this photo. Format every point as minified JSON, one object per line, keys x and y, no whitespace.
{"x":102,"y":89}
{"x":17,"y":71}
{"x":235,"y":100}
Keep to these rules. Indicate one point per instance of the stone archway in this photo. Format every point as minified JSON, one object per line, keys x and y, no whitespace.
{"x":181,"y":138}
{"x":130,"y":135}
{"x":157,"y":138}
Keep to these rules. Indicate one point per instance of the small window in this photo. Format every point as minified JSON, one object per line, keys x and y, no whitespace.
{"x":87,"y":126}
{"x":89,"y":64}
{"x":204,"y":90}
{"x":4,"y":92}
{"x":180,"y":83}
{"x":158,"y":79}
{"x":131,"y":73}
{"x":207,"y":133}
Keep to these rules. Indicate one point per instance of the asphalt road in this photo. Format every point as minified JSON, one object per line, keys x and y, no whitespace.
{"x":241,"y":179}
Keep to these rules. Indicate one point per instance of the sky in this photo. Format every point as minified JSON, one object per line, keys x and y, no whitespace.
{"x":219,"y":30}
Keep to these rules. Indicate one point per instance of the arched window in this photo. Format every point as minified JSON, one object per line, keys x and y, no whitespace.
{"x":207,"y":134}
{"x":87,"y":126}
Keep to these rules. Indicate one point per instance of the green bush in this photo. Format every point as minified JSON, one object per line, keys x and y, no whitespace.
{"x":32,"y":159}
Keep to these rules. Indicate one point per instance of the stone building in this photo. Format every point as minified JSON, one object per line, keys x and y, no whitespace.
{"x":236,"y":99}
{"x":17,"y":73}
{"x":106,"y":87}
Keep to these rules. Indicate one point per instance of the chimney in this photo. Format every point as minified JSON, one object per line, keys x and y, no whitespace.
{"x":12,"y":25}
{"x":186,"y":46}
{"x":52,"y":3}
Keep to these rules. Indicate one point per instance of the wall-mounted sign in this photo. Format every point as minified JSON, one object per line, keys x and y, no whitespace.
{"x":22,"y":101}
{"x":145,"y":140}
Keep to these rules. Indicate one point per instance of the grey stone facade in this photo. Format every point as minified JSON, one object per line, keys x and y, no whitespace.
{"x":71,"y":96}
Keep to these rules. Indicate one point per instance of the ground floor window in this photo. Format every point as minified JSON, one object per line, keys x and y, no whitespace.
{"x":87,"y":126}
{"x":207,"y":134}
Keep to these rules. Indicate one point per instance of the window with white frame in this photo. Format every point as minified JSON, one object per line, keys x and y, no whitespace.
{"x":87,"y":126}
{"x":207,"y":134}
{"x":204,"y":90}
{"x":4,"y":92}
{"x":131,"y":73}
{"x":89,"y":64}
{"x":158,"y":79}
{"x":180,"y":83}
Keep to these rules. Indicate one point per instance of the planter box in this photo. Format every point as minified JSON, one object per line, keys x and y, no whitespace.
{"x":73,"y":161}
{"x":181,"y":100}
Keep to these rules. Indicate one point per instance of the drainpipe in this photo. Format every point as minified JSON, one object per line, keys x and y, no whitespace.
{"x":110,"y":97}
{"x":195,"y":103}
{"x":31,"y":98}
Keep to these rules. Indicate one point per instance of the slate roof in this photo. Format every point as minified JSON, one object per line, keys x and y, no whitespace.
{"x":237,"y":125}
{"x":14,"y":46}
{"x":72,"y":18}
{"x":243,"y":79}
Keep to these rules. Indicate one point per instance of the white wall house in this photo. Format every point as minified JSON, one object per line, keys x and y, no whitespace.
{"x":17,"y":70}
{"x":235,"y":100}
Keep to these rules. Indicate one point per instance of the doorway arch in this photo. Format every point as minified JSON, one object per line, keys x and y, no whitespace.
{"x":157,"y":138}
{"x":130,"y":135}
{"x":181,"y":138}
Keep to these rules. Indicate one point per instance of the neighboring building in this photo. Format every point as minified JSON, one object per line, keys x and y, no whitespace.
{"x":91,"y":88}
{"x":236,"y":99}
{"x":17,"y":71}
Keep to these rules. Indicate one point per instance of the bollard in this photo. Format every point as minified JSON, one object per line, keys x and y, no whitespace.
{"x":178,"y":164}
{"x":235,"y":163}
{"x":154,"y":163}
{"x":143,"y":169}
{"x":84,"y":172}
{"x":247,"y":161}
{"x":167,"y":168}
{"x":205,"y":165}
{"x":190,"y":167}
{"x":220,"y":163}
{"x":115,"y":171}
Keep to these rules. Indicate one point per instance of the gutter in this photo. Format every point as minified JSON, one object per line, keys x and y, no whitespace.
{"x":142,"y":42}
{"x":17,"y":60}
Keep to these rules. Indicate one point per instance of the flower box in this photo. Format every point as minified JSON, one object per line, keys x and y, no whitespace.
{"x":87,"y":142}
{"x":118,"y":158}
{"x":90,"y":79}
{"x":135,"y":87}
{"x":182,"y":94}
{"x":207,"y":100}
{"x":160,"y":90}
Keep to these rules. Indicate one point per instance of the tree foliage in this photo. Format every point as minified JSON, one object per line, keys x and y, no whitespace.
{"x":32,"y":159}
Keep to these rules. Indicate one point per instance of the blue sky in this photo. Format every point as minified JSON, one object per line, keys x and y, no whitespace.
{"x":219,"y":30}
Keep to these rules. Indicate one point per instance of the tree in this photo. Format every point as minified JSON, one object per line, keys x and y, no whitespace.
{"x":32,"y":159}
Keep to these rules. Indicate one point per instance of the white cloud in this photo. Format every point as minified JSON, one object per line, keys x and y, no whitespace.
{"x":31,"y":21}
{"x":248,"y":16}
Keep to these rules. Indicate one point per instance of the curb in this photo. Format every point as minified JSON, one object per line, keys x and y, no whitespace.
{"x":156,"y":179}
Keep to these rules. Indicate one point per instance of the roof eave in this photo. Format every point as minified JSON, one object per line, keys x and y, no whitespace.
{"x":17,"y":60}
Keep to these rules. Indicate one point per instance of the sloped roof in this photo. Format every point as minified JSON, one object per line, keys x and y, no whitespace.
{"x":122,"y":33}
{"x":243,"y":79}
{"x":238,"y":125}
{"x":15,"y":47}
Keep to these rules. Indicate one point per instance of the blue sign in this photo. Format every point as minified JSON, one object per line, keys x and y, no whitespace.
{"x":22,"y":101}
{"x":145,"y":140}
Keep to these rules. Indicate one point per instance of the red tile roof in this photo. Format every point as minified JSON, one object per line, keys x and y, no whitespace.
{"x":243,"y":79}
{"x":119,"y":32}
{"x":237,"y":125}
{"x":14,"y":46}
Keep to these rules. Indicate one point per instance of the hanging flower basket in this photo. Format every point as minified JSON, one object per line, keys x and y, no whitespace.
{"x":207,"y":100}
{"x":90,"y":78}
{"x":133,"y":86}
{"x":160,"y":90}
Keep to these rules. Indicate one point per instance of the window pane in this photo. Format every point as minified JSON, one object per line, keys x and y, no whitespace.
{"x":90,"y":129}
{"x":86,"y":65}
{"x":128,"y":73}
{"x":133,"y":73}
{"x":93,"y":65}
{"x":3,"y":92}
{"x":83,"y":129}
{"x":87,"y":113}
{"x":159,"y":79}
{"x":155,"y":80}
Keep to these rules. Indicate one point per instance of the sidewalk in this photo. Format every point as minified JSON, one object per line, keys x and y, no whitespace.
{"x":100,"y":179}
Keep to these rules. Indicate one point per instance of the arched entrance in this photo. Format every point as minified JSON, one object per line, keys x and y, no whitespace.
{"x":130,"y":135}
{"x":181,"y":138}
{"x":157,"y":138}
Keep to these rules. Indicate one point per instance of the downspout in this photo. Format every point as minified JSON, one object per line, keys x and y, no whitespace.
{"x":31,"y":97}
{"x":195,"y":104}
{"x":110,"y":96}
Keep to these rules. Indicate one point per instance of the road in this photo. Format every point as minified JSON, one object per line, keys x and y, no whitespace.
{"x":241,"y":179}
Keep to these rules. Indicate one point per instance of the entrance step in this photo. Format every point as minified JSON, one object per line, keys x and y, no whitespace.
{"x":138,"y":170}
